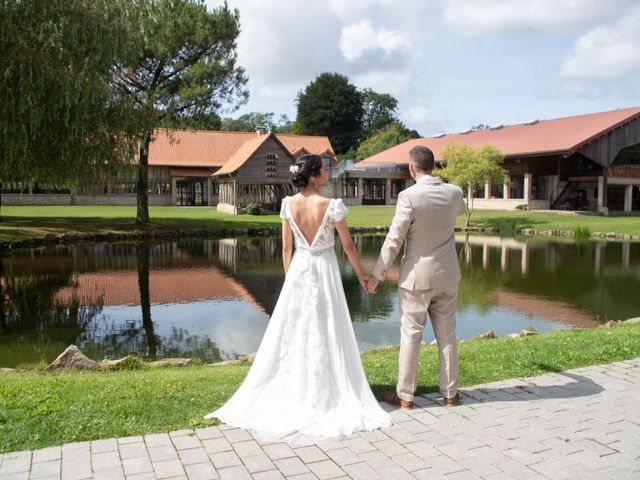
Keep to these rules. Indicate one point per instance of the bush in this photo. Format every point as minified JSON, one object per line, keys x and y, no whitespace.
{"x":581,"y":233}
{"x":253,"y":209}
{"x":522,"y":206}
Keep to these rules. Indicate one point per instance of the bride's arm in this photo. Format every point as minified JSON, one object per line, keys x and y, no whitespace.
{"x":351,"y":251}
{"x":287,"y":244}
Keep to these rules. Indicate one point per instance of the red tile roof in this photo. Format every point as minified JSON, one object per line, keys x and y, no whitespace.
{"x":243,"y":154}
{"x":560,"y":135}
{"x":204,"y":148}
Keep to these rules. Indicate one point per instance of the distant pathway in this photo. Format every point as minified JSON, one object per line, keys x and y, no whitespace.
{"x":581,"y":424}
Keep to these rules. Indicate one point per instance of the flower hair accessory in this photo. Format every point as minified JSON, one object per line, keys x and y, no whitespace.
{"x":294,"y":169}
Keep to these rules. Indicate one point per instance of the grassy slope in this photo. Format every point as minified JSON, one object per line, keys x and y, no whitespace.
{"x":39,"y":410}
{"x":19,"y":223}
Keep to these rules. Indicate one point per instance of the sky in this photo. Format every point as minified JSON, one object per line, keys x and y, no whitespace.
{"x":451,"y":64}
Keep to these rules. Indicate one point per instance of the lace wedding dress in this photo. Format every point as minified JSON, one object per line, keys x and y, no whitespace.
{"x":307,"y":382}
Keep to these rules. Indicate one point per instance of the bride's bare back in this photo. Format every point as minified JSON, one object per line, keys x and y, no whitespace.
{"x":308,"y":211}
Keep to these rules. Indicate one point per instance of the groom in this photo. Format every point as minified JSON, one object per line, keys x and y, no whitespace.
{"x":424,"y":220}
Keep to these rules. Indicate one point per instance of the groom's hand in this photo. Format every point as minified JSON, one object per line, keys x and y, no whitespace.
{"x":372,"y":285}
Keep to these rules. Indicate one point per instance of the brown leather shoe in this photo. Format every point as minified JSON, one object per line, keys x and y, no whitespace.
{"x":393,"y":399}
{"x":453,"y":401}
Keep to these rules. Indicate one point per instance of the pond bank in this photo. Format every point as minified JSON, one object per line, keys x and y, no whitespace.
{"x":39,"y":410}
{"x":38,"y":225}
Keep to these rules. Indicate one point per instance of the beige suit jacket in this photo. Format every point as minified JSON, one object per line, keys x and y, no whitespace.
{"x":424,"y":221}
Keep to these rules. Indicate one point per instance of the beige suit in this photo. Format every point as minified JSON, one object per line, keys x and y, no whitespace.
{"x":429,"y":274}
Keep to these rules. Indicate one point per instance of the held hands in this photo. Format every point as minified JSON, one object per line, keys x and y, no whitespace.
{"x":364,"y":280}
{"x":372,"y":285}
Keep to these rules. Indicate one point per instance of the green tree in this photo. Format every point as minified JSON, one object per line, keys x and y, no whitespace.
{"x":331,"y":106}
{"x":60,"y":123}
{"x":471,"y":168}
{"x":385,"y":138}
{"x":249,"y":122}
{"x":380,"y":110}
{"x":185,"y":68}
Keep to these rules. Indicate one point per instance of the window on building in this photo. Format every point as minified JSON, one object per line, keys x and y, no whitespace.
{"x":271,"y":165}
{"x":517,"y":186}
{"x":14,"y":187}
{"x":396,"y":187}
{"x":160,"y":187}
{"x":350,"y":188}
{"x":497,"y":190}
{"x":539,"y":187}
{"x":479,"y":192}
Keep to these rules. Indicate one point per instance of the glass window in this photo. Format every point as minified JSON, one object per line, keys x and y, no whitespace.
{"x":350,"y":188}
{"x":539,"y":187}
{"x":396,"y":187}
{"x":497,"y":190}
{"x":517,"y":186}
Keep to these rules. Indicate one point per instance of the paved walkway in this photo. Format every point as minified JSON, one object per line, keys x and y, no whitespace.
{"x":580,"y":424}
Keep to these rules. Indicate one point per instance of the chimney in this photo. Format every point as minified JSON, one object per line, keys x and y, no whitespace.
{"x":259,"y":130}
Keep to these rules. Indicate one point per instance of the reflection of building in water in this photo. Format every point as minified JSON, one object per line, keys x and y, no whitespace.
{"x":165,"y":286}
{"x":553,"y":310}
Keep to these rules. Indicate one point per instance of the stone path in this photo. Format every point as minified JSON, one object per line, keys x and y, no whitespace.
{"x":580,"y":424}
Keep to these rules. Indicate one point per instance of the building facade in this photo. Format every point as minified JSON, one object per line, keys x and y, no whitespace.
{"x":584,"y":163}
{"x":183,"y":166}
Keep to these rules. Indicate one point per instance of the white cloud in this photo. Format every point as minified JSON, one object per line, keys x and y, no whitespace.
{"x":607,"y":52}
{"x":360,"y":37}
{"x":531,"y":17}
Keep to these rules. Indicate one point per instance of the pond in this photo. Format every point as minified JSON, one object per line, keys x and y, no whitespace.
{"x":211,"y":299}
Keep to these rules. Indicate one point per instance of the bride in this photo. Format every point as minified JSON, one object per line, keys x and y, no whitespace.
{"x":307,"y":382}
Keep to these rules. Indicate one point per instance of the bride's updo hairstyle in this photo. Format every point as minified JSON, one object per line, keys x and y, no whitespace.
{"x":308,"y":166}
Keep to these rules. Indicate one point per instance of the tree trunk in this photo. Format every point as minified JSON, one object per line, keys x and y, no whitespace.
{"x":143,"y":253}
{"x":142,"y":195}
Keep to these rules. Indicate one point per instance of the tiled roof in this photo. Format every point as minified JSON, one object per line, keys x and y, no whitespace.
{"x":560,"y":135}
{"x":205,"y":148}
{"x":243,"y":154}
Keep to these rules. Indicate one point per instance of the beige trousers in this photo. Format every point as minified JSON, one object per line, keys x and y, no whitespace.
{"x":440,"y":304}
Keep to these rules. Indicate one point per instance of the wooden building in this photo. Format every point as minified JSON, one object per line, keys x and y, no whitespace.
{"x":586,"y":162}
{"x":257,"y":173}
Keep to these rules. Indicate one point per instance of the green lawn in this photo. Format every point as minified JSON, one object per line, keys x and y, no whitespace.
{"x":21,"y":223}
{"x":39,"y":410}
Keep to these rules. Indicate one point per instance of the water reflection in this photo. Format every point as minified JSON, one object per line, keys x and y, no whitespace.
{"x":211,"y":299}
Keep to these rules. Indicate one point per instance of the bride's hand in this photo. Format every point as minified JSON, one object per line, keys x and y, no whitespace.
{"x":363,"y":283}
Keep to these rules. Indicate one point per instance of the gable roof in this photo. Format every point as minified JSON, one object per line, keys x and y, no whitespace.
{"x":212,"y":149}
{"x":245,"y":152}
{"x":544,"y":137}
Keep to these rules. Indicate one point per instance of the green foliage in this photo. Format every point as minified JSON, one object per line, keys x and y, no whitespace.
{"x":60,"y":122}
{"x":380,"y":110}
{"x":184,"y":68}
{"x":471,"y":168}
{"x":522,"y":206}
{"x":253,"y":209}
{"x":581,"y":233}
{"x":385,"y":138}
{"x":249,"y":122}
{"x":331,"y":106}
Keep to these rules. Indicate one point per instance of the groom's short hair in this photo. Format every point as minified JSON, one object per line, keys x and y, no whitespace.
{"x":422,"y":158}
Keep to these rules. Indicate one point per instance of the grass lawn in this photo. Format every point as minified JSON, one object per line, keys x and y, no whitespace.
{"x":39,"y":410}
{"x":21,"y":223}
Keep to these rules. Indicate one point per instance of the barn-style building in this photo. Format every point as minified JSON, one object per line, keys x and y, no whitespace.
{"x":586,"y":162}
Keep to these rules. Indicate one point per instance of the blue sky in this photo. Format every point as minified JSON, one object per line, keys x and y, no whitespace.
{"x":450,"y":63}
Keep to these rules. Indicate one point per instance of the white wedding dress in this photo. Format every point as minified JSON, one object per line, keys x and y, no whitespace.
{"x":307,"y":382}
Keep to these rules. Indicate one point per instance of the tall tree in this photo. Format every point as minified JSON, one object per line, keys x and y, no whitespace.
{"x":249,"y":122}
{"x":59,"y":122}
{"x":471,"y":168}
{"x":186,"y":66}
{"x":331,"y":106}
{"x":380,"y":110}
{"x":385,"y":138}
